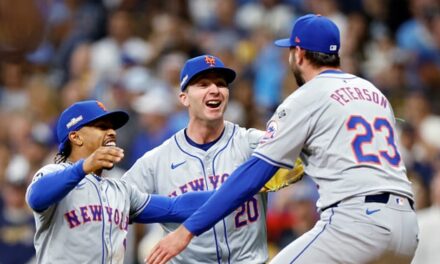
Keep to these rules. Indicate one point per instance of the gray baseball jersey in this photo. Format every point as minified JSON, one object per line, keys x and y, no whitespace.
{"x":177,"y":167}
{"x":343,"y":128}
{"x":90,"y":224}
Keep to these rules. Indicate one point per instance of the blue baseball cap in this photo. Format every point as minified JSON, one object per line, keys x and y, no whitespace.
{"x":314,"y":33}
{"x":202,"y":64}
{"x":82,"y":113}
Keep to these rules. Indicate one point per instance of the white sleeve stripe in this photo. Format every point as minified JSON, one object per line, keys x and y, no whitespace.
{"x":271,"y":161}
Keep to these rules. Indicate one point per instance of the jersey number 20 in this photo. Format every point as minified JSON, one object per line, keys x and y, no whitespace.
{"x":366,"y":138}
{"x":247,"y":213}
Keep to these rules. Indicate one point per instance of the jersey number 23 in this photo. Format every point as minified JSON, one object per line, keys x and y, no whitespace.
{"x":390,"y":154}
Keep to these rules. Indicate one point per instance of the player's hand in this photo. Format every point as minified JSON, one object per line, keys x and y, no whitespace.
{"x":103,"y":158}
{"x":169,"y":246}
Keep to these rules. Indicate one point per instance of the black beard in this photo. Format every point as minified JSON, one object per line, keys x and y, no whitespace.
{"x":298,"y":77}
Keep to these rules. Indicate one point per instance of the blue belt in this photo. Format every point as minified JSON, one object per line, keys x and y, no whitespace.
{"x":375,"y":198}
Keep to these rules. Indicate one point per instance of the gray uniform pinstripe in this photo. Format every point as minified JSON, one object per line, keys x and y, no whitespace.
{"x":90,"y":224}
{"x":177,"y":167}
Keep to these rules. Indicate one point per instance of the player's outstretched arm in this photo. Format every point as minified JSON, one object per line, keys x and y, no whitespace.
{"x":164,"y":209}
{"x":48,"y":189}
{"x":243,"y":183}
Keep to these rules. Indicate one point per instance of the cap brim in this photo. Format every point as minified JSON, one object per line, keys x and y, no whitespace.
{"x":285,"y":43}
{"x":117,"y":118}
{"x":227,"y":73}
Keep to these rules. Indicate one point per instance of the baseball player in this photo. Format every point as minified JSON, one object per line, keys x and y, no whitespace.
{"x":82,"y":217}
{"x":201,"y":157}
{"x":343,"y":128}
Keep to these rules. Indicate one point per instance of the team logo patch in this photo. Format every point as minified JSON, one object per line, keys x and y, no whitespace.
{"x":210,"y":60}
{"x":333,"y":47}
{"x":271,"y":130}
{"x":74,"y":121}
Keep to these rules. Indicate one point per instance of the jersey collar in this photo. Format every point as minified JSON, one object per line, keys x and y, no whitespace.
{"x":205,"y":146}
{"x":331,"y":71}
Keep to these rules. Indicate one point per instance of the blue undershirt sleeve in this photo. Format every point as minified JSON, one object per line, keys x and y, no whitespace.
{"x":53,"y":187}
{"x":175,"y":209}
{"x":243,"y":183}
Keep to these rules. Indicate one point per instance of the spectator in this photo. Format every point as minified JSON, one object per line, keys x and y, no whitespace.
{"x":429,"y":224}
{"x":16,"y":220}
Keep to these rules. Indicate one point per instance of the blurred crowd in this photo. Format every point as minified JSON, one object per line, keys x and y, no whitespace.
{"x":128,"y":54}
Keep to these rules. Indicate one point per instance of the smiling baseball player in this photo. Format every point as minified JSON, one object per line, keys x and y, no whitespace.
{"x":201,"y":157}
{"x":80,"y":216}
{"x":343,"y":128}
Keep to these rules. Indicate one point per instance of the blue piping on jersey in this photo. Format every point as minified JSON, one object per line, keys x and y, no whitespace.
{"x":111,"y":223}
{"x":103,"y":220}
{"x":142,"y":207}
{"x":332,"y":71}
{"x":205,"y":146}
{"x":226,"y":240}
{"x":98,"y":178}
{"x":302,"y":251}
{"x":313,"y":240}
{"x":334,"y":77}
{"x":207,"y":188}
{"x":330,"y":220}
{"x":271,"y":161}
{"x":213,"y":172}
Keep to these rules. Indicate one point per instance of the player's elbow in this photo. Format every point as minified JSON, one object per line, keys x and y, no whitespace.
{"x":31,"y":201}
{"x":35,"y":200}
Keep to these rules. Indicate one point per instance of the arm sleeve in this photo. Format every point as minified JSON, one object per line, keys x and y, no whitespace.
{"x":51,"y":188}
{"x":175,"y":209}
{"x":243,"y":183}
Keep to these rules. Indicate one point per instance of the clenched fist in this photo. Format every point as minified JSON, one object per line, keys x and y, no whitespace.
{"x":104,"y":157}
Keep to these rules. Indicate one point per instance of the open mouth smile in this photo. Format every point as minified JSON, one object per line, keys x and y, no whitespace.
{"x":213,"y":103}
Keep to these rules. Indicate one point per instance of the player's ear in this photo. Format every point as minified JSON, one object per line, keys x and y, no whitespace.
{"x":75,"y":138}
{"x":299,"y":55}
{"x":183,"y":98}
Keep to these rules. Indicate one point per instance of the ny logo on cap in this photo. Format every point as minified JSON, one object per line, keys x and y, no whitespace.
{"x":210,"y":60}
{"x":101,"y":105}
